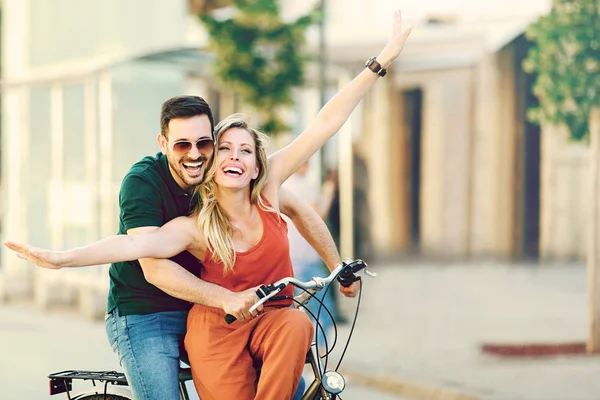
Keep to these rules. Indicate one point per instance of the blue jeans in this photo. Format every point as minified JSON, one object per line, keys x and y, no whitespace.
{"x":307,"y":270}
{"x":148,"y":347}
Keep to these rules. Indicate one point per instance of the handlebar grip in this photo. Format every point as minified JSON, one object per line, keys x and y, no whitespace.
{"x":261,"y":292}
{"x":348,"y":280}
{"x":348,"y":275}
{"x":230,"y":318}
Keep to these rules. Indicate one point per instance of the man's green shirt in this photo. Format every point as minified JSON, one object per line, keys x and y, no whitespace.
{"x":149,"y":196}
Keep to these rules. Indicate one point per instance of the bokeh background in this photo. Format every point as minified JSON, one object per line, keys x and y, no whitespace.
{"x":480,"y":220}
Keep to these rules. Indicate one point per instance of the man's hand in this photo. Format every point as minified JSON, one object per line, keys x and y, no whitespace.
{"x":350,"y":291}
{"x":238,"y":304}
{"x":40,"y":257}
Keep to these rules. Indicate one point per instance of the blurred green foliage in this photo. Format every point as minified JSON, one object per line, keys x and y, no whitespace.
{"x":566,"y":58}
{"x":260,"y":56}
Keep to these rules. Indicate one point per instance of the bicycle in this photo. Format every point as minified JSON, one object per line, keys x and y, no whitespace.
{"x":327,"y":384}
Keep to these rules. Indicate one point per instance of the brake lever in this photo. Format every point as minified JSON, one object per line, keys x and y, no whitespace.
{"x":371,"y":274}
{"x":348,"y":260}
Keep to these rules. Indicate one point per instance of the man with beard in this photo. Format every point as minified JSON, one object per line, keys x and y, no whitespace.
{"x":149,"y":299}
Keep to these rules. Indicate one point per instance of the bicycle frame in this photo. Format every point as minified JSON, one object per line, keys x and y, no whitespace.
{"x":315,"y":390}
{"x":334,"y":382}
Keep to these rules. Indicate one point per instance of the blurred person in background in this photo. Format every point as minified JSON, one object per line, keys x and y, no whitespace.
{"x":305,"y":259}
{"x":362,"y":247}
{"x":361,"y":243}
{"x":362,"y":214}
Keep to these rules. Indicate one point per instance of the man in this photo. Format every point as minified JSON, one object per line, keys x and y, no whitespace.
{"x":149,"y":299}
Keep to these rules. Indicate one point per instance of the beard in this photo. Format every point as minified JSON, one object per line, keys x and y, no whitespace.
{"x":190,"y":177}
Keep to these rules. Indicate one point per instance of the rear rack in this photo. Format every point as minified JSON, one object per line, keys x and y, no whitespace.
{"x":61,"y":382}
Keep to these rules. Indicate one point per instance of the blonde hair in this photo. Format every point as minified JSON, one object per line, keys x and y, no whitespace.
{"x":213,"y":222}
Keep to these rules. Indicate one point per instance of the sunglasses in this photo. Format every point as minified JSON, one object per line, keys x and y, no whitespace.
{"x":203,"y":145}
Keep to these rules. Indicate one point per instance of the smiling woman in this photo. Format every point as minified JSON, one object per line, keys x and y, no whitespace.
{"x":235,"y":158}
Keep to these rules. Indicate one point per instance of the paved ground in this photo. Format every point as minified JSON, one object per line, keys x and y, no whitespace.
{"x":421,"y":328}
{"x":33,"y":344}
{"x":418,"y":336}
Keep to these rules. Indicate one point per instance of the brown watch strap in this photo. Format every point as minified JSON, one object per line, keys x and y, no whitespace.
{"x":374,"y":66}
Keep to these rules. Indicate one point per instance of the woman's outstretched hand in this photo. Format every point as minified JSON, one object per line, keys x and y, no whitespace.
{"x":395,"y":43}
{"x":40,"y":257}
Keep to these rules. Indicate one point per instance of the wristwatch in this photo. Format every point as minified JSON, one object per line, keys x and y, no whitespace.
{"x":374,"y":66}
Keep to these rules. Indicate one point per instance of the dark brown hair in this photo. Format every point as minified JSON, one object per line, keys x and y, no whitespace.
{"x":184,"y":107}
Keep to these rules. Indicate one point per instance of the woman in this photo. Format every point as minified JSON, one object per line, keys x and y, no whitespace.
{"x":242,"y":242}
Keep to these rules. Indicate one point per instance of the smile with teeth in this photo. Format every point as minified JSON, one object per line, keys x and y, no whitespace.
{"x":193,"y":166}
{"x":232,"y":171}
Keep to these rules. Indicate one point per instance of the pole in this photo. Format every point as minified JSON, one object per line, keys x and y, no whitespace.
{"x":593,"y":263}
{"x":322,"y":81}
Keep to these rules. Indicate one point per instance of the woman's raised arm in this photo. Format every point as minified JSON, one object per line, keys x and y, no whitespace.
{"x":335,"y":113}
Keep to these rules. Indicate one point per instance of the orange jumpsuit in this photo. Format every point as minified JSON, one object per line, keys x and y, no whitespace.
{"x":225,"y":358}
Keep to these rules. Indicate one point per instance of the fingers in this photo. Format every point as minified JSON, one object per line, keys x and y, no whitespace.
{"x":350,"y":291}
{"x":11,"y":245}
{"x":27,"y":256}
{"x":247,"y":299}
{"x":255,"y":311}
{"x":397,"y":26}
{"x":244,"y":314}
{"x":397,"y":30}
{"x":347,"y":291}
{"x":16,"y":247}
{"x":406,"y":33}
{"x":24,"y":252}
{"x":33,"y":256}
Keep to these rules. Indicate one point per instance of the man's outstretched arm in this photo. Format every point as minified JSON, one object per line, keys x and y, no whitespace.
{"x":178,"y":282}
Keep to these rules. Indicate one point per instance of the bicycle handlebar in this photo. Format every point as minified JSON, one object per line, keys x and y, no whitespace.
{"x":345,"y":274}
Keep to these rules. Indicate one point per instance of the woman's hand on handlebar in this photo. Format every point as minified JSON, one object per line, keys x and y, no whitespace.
{"x":352,"y":290}
{"x":239,"y":303}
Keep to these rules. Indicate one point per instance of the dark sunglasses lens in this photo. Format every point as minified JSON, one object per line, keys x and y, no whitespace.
{"x":204,"y":145}
{"x":182,"y":147}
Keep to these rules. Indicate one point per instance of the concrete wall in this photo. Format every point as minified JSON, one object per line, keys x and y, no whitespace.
{"x":564,"y":196}
{"x":445,"y":169}
{"x":469,"y":168}
{"x":494,"y":158}
{"x":381,"y":146}
{"x":446,"y":163}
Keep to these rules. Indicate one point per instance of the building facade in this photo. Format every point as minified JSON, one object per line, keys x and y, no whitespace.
{"x":439,"y":160}
{"x":82,"y":86}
